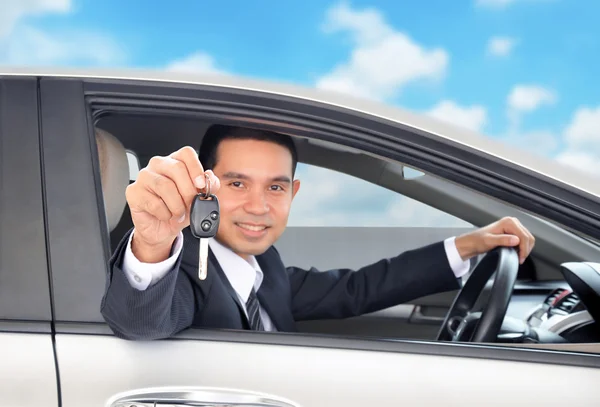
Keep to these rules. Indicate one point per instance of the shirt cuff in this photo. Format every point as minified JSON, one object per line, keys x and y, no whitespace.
{"x":142,"y":275}
{"x":459,"y":266}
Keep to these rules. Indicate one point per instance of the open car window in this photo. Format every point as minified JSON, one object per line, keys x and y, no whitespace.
{"x":331,"y":198}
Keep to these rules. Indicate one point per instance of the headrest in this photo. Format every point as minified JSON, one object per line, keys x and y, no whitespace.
{"x":114,"y":174}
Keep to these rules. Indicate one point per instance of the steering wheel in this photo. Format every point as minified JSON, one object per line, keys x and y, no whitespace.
{"x":461,"y":324}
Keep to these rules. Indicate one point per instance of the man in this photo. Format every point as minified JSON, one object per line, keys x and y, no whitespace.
{"x":153,"y":288}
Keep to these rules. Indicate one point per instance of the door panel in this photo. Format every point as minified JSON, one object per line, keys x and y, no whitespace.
{"x":27,"y":370}
{"x":94,"y":369}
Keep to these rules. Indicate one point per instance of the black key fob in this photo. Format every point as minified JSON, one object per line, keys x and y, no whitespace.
{"x":204,"y":216}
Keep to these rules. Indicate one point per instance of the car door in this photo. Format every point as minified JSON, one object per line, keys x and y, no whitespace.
{"x":28,"y":375}
{"x":212,"y":366}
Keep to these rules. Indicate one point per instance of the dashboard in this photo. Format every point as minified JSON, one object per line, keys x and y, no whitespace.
{"x":570,"y":313}
{"x":562,"y":312}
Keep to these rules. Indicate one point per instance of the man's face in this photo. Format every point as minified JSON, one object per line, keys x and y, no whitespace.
{"x":256,"y":194}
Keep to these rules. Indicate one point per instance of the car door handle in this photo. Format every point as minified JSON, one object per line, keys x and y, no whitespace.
{"x":197,"y":397}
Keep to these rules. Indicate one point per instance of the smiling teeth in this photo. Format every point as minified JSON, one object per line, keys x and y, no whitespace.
{"x":252,"y":228}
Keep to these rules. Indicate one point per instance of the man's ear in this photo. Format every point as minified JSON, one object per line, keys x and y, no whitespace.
{"x":295,"y":187}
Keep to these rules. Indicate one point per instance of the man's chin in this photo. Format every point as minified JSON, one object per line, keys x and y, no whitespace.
{"x":254,"y":249}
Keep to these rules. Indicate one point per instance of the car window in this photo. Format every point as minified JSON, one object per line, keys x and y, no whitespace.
{"x":339,"y":220}
{"x":329,"y":198}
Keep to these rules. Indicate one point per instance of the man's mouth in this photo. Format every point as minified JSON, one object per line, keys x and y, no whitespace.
{"x":252,"y":227}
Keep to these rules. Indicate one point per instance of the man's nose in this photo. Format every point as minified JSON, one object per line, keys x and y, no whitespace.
{"x":256,"y":202}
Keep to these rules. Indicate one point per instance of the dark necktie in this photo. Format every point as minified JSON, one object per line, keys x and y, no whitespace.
{"x":253,"y":312}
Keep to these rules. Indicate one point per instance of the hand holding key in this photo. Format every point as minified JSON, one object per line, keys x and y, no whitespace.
{"x":160,"y":201}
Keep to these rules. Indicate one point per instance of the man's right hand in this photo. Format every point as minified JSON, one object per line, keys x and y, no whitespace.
{"x":160,"y":202}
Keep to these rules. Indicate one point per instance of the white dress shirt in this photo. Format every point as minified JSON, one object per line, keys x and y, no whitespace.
{"x":242,"y":274}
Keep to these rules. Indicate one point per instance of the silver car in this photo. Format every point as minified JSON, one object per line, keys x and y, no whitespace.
{"x":72,"y":140}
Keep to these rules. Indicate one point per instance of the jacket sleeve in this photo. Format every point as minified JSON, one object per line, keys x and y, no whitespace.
{"x":157,"y":312}
{"x":343,"y":293}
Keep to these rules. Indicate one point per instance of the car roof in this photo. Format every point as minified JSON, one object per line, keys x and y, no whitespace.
{"x":523,"y":158}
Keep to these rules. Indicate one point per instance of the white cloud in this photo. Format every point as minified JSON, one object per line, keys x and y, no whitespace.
{"x":29,"y":46}
{"x":382,"y":61}
{"x":527,"y":98}
{"x":329,"y":198}
{"x":198,"y":62}
{"x":365,"y":26}
{"x":584,"y":129}
{"x":24,"y":44}
{"x":13,"y":11}
{"x":501,"y":46}
{"x":578,"y":146}
{"x":524,"y":99}
{"x":472,"y":117}
{"x":581,"y":160}
{"x":582,"y":138}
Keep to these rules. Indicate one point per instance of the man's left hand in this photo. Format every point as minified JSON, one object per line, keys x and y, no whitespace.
{"x":507,"y":232}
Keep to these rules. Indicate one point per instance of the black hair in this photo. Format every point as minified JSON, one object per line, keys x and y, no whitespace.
{"x":219,"y":132}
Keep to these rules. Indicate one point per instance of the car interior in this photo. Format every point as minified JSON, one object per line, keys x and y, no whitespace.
{"x":546,"y":297}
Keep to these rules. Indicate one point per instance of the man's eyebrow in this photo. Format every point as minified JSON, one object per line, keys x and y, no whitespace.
{"x":283,"y":178}
{"x":237,"y":175}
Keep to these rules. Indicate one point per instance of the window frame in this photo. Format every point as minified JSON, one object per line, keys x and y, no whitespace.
{"x":77,"y":238}
{"x":71,"y":106}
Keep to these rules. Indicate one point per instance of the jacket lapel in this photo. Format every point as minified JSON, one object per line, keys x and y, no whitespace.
{"x":214,"y":265}
{"x":271,"y":293}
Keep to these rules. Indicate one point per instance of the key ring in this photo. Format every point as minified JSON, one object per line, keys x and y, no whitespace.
{"x":207,"y":194}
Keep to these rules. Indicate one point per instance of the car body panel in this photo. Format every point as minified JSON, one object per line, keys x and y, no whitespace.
{"x":27,"y":370}
{"x":314,"y":376}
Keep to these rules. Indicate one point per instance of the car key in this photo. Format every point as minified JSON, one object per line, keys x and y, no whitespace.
{"x":204,"y":223}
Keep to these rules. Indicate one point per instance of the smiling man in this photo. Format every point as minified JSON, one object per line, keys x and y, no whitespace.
{"x":153,"y":288}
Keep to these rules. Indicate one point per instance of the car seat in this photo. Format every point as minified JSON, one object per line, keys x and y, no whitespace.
{"x":114,"y":175}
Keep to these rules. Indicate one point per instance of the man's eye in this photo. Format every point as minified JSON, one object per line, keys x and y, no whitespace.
{"x":236,"y":184}
{"x":276,"y":187}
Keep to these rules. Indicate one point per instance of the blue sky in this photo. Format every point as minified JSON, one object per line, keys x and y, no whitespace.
{"x":523,"y":71}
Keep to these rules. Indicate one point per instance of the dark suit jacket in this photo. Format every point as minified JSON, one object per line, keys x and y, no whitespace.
{"x":180,"y":300}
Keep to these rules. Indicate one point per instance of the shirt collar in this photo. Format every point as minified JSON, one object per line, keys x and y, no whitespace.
{"x":242,"y":274}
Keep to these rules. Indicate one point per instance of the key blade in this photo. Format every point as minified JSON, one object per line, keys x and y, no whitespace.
{"x":203,"y":259}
